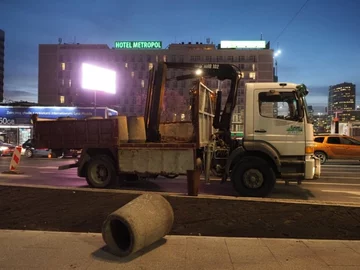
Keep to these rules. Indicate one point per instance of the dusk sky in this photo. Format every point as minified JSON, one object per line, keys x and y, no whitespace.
{"x":320,"y":47}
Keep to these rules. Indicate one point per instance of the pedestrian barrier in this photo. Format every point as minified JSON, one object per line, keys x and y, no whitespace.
{"x":15,"y":161}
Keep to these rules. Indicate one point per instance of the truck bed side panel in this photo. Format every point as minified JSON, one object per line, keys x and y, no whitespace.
{"x":156,"y":160}
{"x":75,"y":134}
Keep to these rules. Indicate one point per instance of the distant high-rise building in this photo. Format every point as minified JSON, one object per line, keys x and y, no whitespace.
{"x":59,"y":72}
{"x":341,"y":98}
{"x":2,"y":56}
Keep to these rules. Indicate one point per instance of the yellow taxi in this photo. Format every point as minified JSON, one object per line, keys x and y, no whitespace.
{"x":336,"y":147}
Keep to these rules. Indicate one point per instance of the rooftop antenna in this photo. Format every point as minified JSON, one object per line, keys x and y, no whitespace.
{"x":261,"y":36}
{"x":60,"y":40}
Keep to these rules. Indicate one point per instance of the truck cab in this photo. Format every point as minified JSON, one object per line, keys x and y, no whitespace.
{"x":278,"y":139}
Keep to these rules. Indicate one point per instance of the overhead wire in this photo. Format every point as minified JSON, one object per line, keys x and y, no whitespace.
{"x":292,"y":19}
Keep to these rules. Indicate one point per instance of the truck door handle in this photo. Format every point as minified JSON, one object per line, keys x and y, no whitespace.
{"x":260,"y":131}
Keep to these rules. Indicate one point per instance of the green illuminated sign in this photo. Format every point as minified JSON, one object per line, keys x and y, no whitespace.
{"x":138,"y":45}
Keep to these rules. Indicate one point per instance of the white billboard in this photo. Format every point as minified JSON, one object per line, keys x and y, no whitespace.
{"x":98,"y":78}
{"x":232,"y":44}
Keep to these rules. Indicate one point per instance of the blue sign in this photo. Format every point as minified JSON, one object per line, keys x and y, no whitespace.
{"x":22,"y":115}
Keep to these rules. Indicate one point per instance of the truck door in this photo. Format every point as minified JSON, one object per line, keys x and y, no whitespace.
{"x":277,"y":121}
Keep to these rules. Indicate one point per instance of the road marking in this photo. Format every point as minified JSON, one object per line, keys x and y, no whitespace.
{"x":340,"y":177}
{"x":329,"y":183}
{"x":343,"y":191}
{"x":340,"y":165}
{"x":26,"y":166}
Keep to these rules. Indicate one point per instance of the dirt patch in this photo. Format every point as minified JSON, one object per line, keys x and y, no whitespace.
{"x":82,"y":211}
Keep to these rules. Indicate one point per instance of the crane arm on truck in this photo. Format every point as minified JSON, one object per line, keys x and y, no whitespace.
{"x":156,"y":88}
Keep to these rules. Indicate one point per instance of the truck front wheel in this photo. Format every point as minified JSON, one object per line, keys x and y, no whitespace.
{"x":253,"y":177}
{"x":101,"y":172}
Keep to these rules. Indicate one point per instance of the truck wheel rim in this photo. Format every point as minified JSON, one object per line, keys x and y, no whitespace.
{"x":100,"y":174}
{"x":253,"y":179}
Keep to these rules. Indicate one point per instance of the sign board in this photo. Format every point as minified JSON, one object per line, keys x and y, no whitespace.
{"x":22,"y":115}
{"x":255,"y":44}
{"x":138,"y":45}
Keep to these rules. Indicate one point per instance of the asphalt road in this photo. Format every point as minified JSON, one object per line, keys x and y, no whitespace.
{"x":340,"y":181}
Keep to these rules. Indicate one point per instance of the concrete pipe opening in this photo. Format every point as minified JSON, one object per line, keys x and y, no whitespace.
{"x":122,"y":235}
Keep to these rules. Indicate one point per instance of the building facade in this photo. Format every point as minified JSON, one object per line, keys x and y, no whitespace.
{"x":342,"y":97}
{"x":2,"y":61}
{"x":60,"y":77}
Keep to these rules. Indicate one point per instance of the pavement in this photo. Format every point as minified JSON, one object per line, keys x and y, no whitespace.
{"x":340,"y":181}
{"x":59,"y":250}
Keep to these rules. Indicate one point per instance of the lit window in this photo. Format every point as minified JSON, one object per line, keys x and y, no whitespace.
{"x":142,"y":83}
{"x":70,"y":83}
{"x":151,"y":66}
{"x":62,"y":66}
{"x":132,"y":74}
{"x":252,"y":75}
{"x":164,"y":58}
{"x":253,"y":67}
{"x":126,"y":65}
{"x":62,"y":99}
{"x":62,"y":82}
{"x":157,"y":59}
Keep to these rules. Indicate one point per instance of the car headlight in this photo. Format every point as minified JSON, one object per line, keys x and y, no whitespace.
{"x":3,"y":148}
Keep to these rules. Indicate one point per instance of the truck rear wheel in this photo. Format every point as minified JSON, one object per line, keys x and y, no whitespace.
{"x":101,"y":172}
{"x":253,"y":177}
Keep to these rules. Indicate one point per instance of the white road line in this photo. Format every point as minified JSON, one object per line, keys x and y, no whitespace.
{"x":343,"y":191}
{"x":340,"y":165}
{"x":329,"y":184}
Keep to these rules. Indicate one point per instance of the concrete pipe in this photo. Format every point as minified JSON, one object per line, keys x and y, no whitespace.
{"x":138,"y":224}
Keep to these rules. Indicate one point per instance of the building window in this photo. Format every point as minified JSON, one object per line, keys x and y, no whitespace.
{"x":62,"y":82}
{"x":219,"y":58}
{"x":151,"y":65}
{"x":164,"y":58}
{"x":230,"y":58}
{"x":252,"y":75}
{"x":132,"y":74}
{"x":241,"y":58}
{"x":252,"y":58}
{"x":142,"y":83}
{"x":69,"y":82}
{"x":63,"y":66}
{"x":141,"y":58}
{"x":173,"y":58}
{"x":62,"y":99}
{"x":157,"y":59}
{"x":208,"y":58}
{"x":181,"y":58}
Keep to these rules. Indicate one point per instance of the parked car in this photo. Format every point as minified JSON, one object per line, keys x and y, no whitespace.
{"x":6,"y":149}
{"x":30,"y":151}
{"x":336,"y":147}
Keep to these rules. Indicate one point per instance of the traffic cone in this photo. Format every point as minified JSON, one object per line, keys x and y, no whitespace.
{"x":15,"y":161}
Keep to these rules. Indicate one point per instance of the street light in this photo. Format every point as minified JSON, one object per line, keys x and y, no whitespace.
{"x":276,"y":54}
{"x":198,"y":72}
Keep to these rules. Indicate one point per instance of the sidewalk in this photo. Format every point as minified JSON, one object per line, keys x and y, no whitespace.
{"x":55,"y":250}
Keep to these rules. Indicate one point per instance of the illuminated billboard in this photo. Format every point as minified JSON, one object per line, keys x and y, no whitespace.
{"x":138,"y":45}
{"x":255,"y":44}
{"x":98,"y":78}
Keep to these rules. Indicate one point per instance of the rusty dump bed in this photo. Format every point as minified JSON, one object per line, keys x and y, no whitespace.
{"x":76,"y":134}
{"x":96,"y":133}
